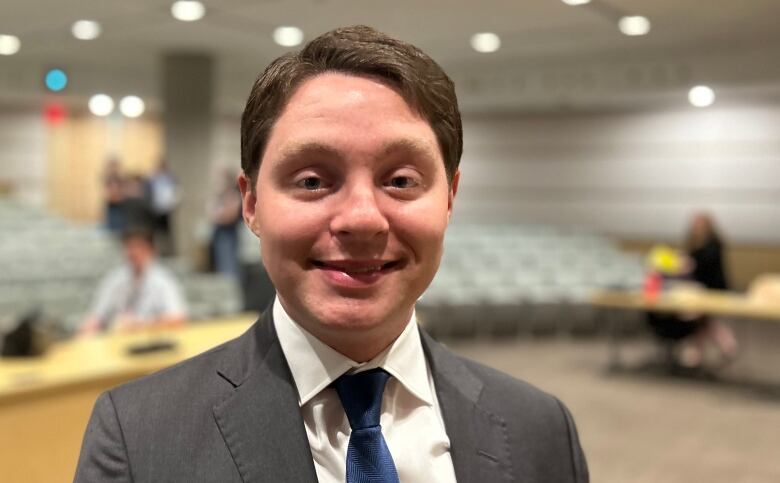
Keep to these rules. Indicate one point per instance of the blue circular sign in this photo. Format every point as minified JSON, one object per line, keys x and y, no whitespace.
{"x":56,"y":80}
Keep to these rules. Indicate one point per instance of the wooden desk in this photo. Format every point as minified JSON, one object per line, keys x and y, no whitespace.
{"x":45,"y":402}
{"x":709,"y":302}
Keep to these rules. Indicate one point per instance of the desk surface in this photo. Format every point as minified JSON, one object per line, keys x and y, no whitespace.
{"x":45,"y":402}
{"x":712,"y":302}
{"x":105,"y":357}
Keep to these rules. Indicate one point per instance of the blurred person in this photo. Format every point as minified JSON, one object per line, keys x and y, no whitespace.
{"x":350,"y":154}
{"x":701,"y":262}
{"x":135,"y":207}
{"x":114,"y":194}
{"x":705,"y":249}
{"x":163,"y":197}
{"x":226,"y":220}
{"x":139,"y":294}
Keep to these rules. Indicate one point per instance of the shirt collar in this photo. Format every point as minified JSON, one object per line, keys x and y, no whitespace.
{"x":315,"y":365}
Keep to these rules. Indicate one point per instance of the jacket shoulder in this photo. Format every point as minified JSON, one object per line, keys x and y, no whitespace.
{"x":537,"y":423}
{"x":535,"y":429}
{"x":507,"y":388}
{"x":197,"y":378}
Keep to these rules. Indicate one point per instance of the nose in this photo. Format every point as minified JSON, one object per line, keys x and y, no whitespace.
{"x":359,"y":216}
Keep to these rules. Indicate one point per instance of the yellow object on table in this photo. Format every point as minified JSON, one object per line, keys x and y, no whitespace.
{"x":667,"y":260}
{"x":45,"y":402}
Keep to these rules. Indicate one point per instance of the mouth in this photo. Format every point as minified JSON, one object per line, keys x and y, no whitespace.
{"x":356,"y":273}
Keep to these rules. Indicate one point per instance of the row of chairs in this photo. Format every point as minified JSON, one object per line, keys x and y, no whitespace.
{"x":207,"y":296}
{"x":501,"y":279}
{"x":54,"y":266}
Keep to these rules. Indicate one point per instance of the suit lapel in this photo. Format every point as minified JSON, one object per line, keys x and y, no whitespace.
{"x":260,"y":420}
{"x":478,"y":438}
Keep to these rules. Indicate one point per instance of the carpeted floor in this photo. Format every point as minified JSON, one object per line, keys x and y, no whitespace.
{"x":644,"y":427}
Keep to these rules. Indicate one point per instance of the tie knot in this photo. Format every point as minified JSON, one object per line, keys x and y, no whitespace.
{"x":361,"y":396}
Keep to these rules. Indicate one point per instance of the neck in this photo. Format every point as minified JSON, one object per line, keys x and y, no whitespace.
{"x":363,"y":345}
{"x":138,"y":270}
{"x":358,"y":344}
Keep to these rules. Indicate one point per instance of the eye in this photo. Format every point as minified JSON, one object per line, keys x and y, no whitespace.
{"x":402,"y":182}
{"x":310,"y":183}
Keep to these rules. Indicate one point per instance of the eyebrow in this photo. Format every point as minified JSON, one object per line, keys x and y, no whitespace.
{"x":389,"y":148}
{"x":305,"y":149}
{"x":407,"y":146}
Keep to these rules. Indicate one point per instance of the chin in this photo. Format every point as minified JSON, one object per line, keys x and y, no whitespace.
{"x":356,"y":315}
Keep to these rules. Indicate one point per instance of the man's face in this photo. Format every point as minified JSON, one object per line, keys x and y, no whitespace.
{"x":351,"y":205}
{"x":138,"y":252}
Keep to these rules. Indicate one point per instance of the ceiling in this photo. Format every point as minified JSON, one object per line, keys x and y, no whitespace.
{"x":534,"y":33}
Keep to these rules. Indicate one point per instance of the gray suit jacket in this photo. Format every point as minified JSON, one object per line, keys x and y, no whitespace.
{"x":231,"y":415}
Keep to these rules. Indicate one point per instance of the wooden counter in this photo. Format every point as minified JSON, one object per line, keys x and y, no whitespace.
{"x":45,"y":402}
{"x":734,"y":306}
{"x":712,"y":302}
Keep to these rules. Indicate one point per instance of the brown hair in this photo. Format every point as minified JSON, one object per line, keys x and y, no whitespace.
{"x":361,"y":51}
{"x":702,"y":230}
{"x":138,"y":231}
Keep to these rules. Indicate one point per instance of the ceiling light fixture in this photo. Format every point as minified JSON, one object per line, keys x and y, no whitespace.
{"x":9,"y":44}
{"x":575,"y":3}
{"x":85,"y":29}
{"x":101,"y":105}
{"x":634,"y":25}
{"x":485,"y":42}
{"x":188,"y":10}
{"x":132,"y":106}
{"x":288,"y":36}
{"x":701,"y":96}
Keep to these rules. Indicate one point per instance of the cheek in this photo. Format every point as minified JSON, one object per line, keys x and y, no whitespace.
{"x":287,"y":231}
{"x":423,"y":226}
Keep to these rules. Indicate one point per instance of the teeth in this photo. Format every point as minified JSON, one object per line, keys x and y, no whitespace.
{"x":365,"y":270}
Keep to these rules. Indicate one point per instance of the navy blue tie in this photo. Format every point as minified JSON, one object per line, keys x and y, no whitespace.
{"x":368,"y":457}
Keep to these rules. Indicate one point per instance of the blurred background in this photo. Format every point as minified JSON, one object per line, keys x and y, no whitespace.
{"x":614,"y":240}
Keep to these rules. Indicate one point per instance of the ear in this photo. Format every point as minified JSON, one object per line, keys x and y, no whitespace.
{"x":249,"y":201}
{"x":453,"y":192}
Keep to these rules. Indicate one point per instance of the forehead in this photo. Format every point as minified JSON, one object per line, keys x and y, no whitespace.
{"x":136,"y":241}
{"x":351,"y":113}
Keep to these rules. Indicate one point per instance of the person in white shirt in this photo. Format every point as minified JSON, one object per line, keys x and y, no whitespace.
{"x":350,"y":153}
{"x":139,"y":294}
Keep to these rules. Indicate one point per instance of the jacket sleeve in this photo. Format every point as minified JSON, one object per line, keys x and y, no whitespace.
{"x":103,"y":453}
{"x":579,"y":465}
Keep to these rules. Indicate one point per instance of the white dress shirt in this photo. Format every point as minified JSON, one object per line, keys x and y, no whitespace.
{"x":156,"y":294}
{"x":411,"y":417}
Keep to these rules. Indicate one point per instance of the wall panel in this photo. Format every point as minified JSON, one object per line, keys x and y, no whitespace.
{"x":633,"y":175}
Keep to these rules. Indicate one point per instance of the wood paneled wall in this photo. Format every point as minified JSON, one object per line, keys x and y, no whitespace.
{"x":78,"y":149}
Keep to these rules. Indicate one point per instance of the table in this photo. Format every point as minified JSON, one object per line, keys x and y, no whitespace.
{"x":696,"y":301}
{"x":45,"y":402}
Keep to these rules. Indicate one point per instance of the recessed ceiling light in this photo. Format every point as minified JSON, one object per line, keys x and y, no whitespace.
{"x":101,"y":105}
{"x":85,"y":29}
{"x":485,"y":42}
{"x":132,"y":106}
{"x":701,"y":96}
{"x":9,"y":44}
{"x":574,"y":3}
{"x":634,"y":25}
{"x":188,"y":10}
{"x":288,"y":36}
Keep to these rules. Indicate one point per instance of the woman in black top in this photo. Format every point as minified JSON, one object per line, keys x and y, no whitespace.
{"x":705,"y":248}
{"x":706,"y":251}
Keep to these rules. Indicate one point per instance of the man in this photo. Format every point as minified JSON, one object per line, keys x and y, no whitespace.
{"x":350,"y":151}
{"x":163,"y":198}
{"x":139,"y":294}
